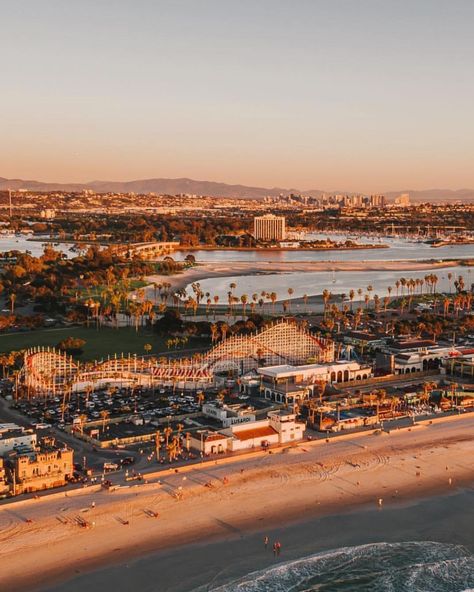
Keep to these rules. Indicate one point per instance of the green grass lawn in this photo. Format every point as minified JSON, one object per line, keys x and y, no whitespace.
{"x":99,"y":343}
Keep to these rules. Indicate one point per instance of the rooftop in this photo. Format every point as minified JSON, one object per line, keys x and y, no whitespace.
{"x":212,"y":436}
{"x":13,"y":433}
{"x":252,"y":433}
{"x":413,"y":343}
{"x":287,"y":369}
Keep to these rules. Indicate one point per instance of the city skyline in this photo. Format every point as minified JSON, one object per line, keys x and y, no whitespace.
{"x":368,"y":98}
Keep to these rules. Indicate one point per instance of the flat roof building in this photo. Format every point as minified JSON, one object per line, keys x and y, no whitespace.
{"x":14,"y":437}
{"x":288,"y":384}
{"x":229,"y":414}
{"x":269,"y":228}
{"x":280,"y":427}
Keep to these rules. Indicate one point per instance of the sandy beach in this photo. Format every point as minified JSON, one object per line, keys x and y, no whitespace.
{"x":238,"y":268}
{"x":222,"y":500}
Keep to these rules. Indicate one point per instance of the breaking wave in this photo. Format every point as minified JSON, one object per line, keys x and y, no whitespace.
{"x":378,"y":567}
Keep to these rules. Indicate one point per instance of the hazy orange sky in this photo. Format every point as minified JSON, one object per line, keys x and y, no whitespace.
{"x":363,"y":95}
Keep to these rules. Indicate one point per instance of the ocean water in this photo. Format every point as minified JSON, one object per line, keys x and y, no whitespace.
{"x":378,"y":567}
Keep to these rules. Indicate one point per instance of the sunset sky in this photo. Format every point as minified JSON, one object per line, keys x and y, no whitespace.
{"x":360,"y":95}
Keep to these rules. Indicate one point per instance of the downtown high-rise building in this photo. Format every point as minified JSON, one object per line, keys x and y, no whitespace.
{"x":403,"y":200}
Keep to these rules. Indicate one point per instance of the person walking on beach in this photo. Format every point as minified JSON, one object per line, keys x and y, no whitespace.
{"x":265,"y":542}
{"x":275,"y":549}
{"x":278,"y":547}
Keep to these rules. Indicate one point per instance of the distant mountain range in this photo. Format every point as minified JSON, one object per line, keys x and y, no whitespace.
{"x":175,"y":186}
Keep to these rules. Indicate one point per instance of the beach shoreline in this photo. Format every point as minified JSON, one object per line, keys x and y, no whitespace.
{"x":210,"y":270}
{"x":270,"y":490}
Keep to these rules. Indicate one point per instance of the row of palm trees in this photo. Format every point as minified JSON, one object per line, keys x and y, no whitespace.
{"x":406,"y":288}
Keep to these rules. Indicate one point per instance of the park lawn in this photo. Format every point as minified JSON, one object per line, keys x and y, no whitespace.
{"x":99,"y":343}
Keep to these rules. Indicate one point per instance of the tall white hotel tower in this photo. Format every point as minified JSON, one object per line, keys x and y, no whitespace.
{"x":269,"y":228}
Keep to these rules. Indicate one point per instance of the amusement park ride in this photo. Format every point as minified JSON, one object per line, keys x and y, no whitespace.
{"x":48,"y":373}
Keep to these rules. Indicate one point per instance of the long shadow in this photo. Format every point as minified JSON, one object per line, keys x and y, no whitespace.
{"x":228,"y":527}
{"x":18,"y":516}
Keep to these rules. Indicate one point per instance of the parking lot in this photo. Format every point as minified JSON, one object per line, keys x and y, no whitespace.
{"x":109,"y":406}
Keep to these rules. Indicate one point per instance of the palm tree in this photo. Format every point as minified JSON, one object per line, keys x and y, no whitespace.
{"x":157,"y":444}
{"x":104,"y":415}
{"x":273,"y":298}
{"x":82,"y":421}
{"x":244,"y":300}
{"x":367,"y":300}
{"x":326,"y":299}
{"x":167,"y":432}
{"x":12,"y":298}
{"x":180,"y":428}
{"x":290,"y":294}
{"x":216,"y":300}
{"x":351,"y":297}
{"x":376,"y":303}
{"x":305,"y":300}
{"x":403,"y":283}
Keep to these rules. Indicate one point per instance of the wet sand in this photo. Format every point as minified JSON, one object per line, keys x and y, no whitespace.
{"x":264,"y":491}
{"x":441,"y":519}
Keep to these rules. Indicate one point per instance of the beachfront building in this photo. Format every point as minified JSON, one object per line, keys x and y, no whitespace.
{"x":289,"y":384}
{"x":14,"y":437}
{"x":280,"y":427}
{"x":269,"y":228}
{"x":228,"y":415}
{"x":209,"y":442}
{"x":4,"y":485}
{"x":43,"y":467}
